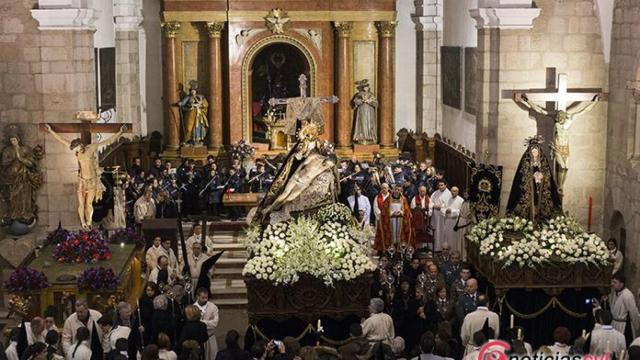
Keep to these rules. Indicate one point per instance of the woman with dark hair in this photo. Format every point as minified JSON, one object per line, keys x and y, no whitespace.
{"x":405,"y":307}
{"x":146,"y":308}
{"x":82,"y":349}
{"x":52,"y":338}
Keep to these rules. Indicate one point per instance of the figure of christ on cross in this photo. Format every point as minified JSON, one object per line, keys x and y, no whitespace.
{"x":563,"y":117}
{"x":303,"y":108}
{"x":90,"y":187}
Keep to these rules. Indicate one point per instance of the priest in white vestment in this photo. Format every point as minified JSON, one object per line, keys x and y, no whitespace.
{"x":153,"y":253}
{"x":450,"y":211}
{"x":196,"y":237}
{"x":438,"y":200}
{"x":35,"y":333}
{"x":604,"y":338}
{"x":196,"y":259}
{"x":83,"y":317}
{"x":209,"y":316}
{"x":622,"y":304}
{"x":474,"y":321}
{"x":363,"y":205}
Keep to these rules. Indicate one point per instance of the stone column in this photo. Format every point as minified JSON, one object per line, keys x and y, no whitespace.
{"x":214,"y":137}
{"x":386,"y":30}
{"x":130,"y":42}
{"x":343,"y":69}
{"x":428,"y":21}
{"x":170,"y":95}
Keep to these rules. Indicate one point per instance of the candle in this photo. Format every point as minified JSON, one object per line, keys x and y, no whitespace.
{"x":319,"y":327}
{"x":511,"y":321}
{"x":584,"y":333}
{"x":519,"y":334}
{"x":590,"y":213}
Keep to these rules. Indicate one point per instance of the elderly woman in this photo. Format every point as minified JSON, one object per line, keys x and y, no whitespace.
{"x":161,"y":319}
{"x":193,"y":328}
{"x":379,"y":326}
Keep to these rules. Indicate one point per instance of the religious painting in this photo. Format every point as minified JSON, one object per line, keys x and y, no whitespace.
{"x":274,"y":74}
{"x":106,"y":84}
{"x":194,"y":66}
{"x":364,"y":61}
{"x":451,"y":66}
{"x":470,"y":86}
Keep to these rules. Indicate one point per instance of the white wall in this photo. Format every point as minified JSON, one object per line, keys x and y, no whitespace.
{"x":153,"y":75}
{"x":405,"y":67}
{"x":459,"y":30}
{"x":105,"y":35}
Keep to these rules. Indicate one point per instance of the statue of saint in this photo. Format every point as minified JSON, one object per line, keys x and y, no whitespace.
{"x":21,"y":178}
{"x":365,"y":104}
{"x":307,"y":180}
{"x":194,"y":109}
{"x":534,"y":194}
{"x":563,"y":121}
{"x":90,"y":186}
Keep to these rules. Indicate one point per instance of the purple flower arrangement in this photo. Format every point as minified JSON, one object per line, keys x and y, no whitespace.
{"x":82,"y":247}
{"x":57,"y":236}
{"x":241,"y":150}
{"x":26,"y":279}
{"x":98,"y":278}
{"x":126,"y":236}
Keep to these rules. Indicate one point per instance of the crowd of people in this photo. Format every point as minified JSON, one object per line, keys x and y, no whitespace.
{"x":426,"y":302}
{"x":407,"y":203}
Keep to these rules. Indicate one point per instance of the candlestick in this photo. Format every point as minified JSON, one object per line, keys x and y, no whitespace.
{"x":511,"y":321}
{"x":590,"y":213}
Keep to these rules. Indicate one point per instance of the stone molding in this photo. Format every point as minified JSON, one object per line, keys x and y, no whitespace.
{"x":127,"y":15}
{"x":428,"y":15}
{"x":65,"y":18}
{"x":505,"y":14}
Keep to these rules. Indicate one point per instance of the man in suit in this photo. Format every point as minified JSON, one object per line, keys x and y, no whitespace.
{"x":475,"y":320}
{"x":467,"y":303}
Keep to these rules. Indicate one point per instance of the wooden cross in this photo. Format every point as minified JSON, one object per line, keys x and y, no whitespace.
{"x":86,"y":128}
{"x":302,"y":79}
{"x":557,"y":92}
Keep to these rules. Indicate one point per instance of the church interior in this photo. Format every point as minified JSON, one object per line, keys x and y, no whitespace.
{"x":337,"y":178}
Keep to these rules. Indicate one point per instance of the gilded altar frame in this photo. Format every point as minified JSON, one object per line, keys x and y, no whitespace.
{"x":247,"y":62}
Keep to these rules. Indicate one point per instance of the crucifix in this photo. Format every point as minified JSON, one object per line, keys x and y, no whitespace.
{"x":569,"y":104}
{"x":90,"y":187}
{"x":303,"y":108}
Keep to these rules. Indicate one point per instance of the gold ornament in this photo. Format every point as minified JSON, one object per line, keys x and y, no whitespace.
{"x":277,"y":21}
{"x":170,"y":29}
{"x":214,"y":29}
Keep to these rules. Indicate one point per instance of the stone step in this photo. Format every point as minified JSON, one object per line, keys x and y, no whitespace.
{"x":225,"y":263}
{"x":231,"y":250}
{"x":232,"y":273}
{"x":240,"y":303}
{"x":230,"y":293}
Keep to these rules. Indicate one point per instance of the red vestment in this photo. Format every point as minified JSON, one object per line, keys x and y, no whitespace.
{"x":383,"y":230}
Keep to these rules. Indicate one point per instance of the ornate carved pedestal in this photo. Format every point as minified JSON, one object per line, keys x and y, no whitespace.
{"x":308,"y":299}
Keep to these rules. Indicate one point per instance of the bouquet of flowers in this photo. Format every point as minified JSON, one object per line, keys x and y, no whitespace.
{"x":98,"y":278}
{"x":26,"y":279}
{"x":241,"y":150}
{"x":82,"y":247}
{"x":515,"y":241}
{"x":327,"y":249}
{"x":126,"y":236}
{"x":56,"y":236}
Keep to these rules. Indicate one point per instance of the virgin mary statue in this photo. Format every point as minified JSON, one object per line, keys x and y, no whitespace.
{"x":534,"y":193}
{"x":307,"y":180}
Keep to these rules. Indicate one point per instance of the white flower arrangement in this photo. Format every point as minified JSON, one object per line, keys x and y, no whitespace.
{"x":515,"y":241}
{"x":330,"y":251}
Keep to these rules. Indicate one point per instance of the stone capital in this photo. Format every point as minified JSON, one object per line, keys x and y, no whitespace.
{"x":505,"y":14}
{"x":170,"y":29}
{"x":65,"y":18}
{"x":127,"y":15}
{"x":214,"y":28}
{"x":427,"y":23}
{"x":343,"y":28}
{"x":386,"y":29}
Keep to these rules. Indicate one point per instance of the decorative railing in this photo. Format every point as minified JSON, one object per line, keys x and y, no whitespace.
{"x":457,"y":161}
